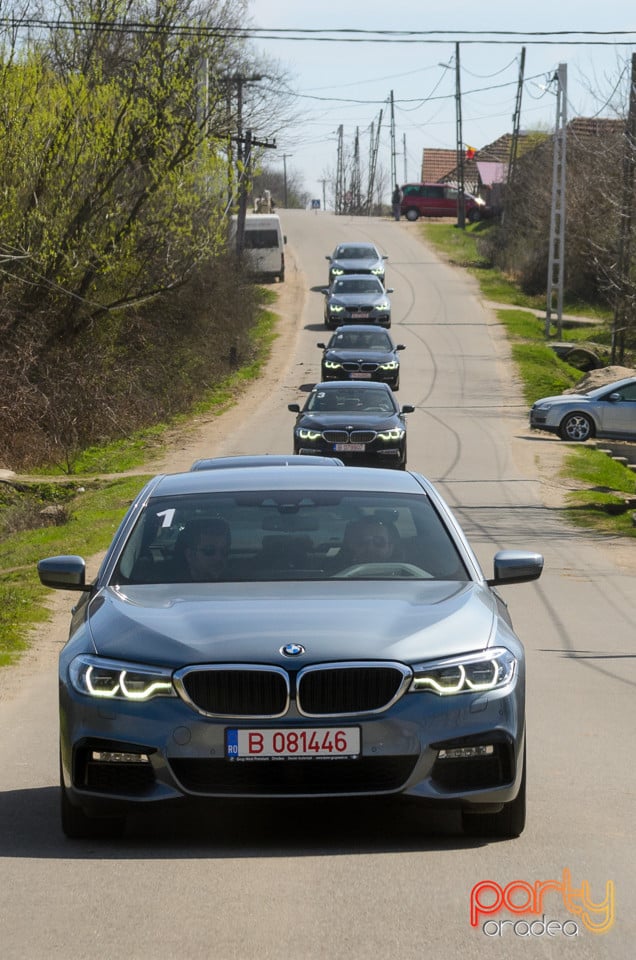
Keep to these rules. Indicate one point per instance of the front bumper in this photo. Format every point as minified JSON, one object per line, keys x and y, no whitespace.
{"x":376,"y":455}
{"x":184,"y":752}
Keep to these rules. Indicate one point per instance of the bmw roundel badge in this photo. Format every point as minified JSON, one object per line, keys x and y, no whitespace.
{"x":292,"y":649}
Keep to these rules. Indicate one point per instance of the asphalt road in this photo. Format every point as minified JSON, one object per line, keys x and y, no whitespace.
{"x":299,"y":881}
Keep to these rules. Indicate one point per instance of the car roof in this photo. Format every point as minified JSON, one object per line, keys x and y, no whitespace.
{"x":264,"y":460}
{"x":356,"y":385}
{"x":248,"y":479}
{"x":360,"y":328}
{"x":365,"y":244}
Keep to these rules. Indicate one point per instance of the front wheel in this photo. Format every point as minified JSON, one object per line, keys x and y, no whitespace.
{"x":78,"y":826}
{"x":411,"y":214}
{"x":507,"y":824}
{"x":576,"y":427}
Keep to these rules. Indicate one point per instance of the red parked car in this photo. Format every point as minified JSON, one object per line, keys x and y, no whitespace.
{"x":439,"y":200}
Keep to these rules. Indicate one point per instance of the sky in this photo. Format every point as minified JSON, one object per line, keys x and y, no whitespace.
{"x":348,"y":83}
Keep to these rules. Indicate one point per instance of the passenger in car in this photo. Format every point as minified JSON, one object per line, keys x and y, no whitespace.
{"x":367,"y":541}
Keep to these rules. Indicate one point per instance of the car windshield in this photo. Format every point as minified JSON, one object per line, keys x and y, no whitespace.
{"x":347,"y":285}
{"x":350,"y":401}
{"x":356,"y":253}
{"x":286,"y":535}
{"x":361,"y":340}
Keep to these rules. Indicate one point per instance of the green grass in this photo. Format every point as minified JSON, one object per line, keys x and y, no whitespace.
{"x":94,"y":515}
{"x":608,"y":483}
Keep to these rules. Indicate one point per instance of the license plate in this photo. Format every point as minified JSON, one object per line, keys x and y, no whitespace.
{"x":359,"y":316}
{"x":360,"y":376}
{"x":349,"y":447}
{"x":289,"y":743}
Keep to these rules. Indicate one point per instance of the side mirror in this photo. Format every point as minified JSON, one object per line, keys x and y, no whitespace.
{"x":294,"y":407}
{"x":388,"y":289}
{"x":516,"y":566}
{"x":614,"y":397}
{"x":63,"y":573}
{"x":400,"y":346}
{"x":322,"y":345}
{"x":327,"y":257}
{"x":408,"y":408}
{"x":385,"y":256}
{"x":284,"y":238}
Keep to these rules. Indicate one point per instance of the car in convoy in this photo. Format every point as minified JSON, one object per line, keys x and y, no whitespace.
{"x":305,"y":667}
{"x":357,"y":298}
{"x":439,"y":200}
{"x":360,"y":423}
{"x":356,"y":257}
{"x":607,"y":411}
{"x":361,"y":353}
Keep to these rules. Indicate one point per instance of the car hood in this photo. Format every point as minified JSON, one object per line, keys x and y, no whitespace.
{"x":341,"y":419}
{"x":345,"y":299}
{"x":376,"y":356}
{"x":360,"y":266}
{"x":569,"y":398}
{"x":181,"y":624}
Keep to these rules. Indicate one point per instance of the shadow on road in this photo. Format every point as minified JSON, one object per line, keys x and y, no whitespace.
{"x":29,"y":828}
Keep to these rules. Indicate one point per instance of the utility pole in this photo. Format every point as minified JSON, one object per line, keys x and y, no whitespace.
{"x":373,"y":162}
{"x":461,"y":204}
{"x":355,"y":175}
{"x":516,"y":122}
{"x":623,"y":298}
{"x":393,"y":157}
{"x":246,"y":143}
{"x":339,"y":200}
{"x":557,"y":213}
{"x":324,"y":194}
{"x":285,"y":155}
{"x":404,"y":155}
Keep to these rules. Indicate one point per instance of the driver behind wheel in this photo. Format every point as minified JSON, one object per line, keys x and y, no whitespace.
{"x":366,"y":541}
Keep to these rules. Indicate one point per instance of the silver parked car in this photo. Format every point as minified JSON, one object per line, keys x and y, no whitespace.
{"x":607,"y":411}
{"x":265,"y":632}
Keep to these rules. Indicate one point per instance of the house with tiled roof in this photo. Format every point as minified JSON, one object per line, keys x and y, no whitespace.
{"x":437,"y":163}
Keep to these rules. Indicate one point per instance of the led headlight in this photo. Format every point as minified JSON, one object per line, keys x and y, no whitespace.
{"x":114,"y":680}
{"x":473,"y":673}
{"x":305,"y":433}
{"x":332,"y":365}
{"x":377,"y":271}
{"x":391,"y":365}
{"x":336,"y":272}
{"x":396,"y":433}
{"x":385,"y":305}
{"x":334,"y":308}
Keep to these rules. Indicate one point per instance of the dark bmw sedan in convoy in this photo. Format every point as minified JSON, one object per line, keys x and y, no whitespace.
{"x":361,"y":353}
{"x":360,"y":423}
{"x":357,"y":298}
{"x":356,"y":257}
{"x":265,"y":632}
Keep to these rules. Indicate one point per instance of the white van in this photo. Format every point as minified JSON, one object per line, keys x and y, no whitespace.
{"x":263,"y":246}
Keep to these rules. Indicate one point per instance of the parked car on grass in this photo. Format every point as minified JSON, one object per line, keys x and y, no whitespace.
{"x":361,"y":352}
{"x":607,"y":411}
{"x":303,"y":668}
